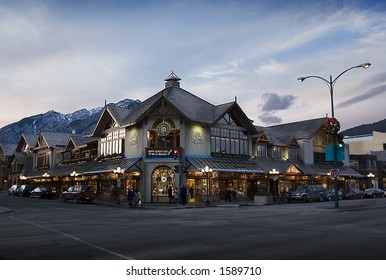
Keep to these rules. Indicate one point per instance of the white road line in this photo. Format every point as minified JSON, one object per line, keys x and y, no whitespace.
{"x":74,"y":238}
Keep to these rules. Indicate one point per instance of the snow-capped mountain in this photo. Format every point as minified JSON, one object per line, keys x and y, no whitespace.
{"x":81,"y":121}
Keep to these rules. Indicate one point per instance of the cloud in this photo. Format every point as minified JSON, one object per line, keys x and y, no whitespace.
{"x":269,"y":118}
{"x":272,"y":102}
{"x":271,"y":66}
{"x":369,"y":94}
{"x":220,"y":70}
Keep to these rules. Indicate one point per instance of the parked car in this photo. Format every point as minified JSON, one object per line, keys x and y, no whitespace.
{"x":79,"y":193}
{"x":41,"y":192}
{"x":13,"y":189}
{"x":330,"y":194}
{"x":308,"y":193}
{"x":24,"y":190}
{"x":353,"y":194}
{"x":374,"y":192}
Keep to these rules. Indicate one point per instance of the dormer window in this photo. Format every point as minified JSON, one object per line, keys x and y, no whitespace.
{"x":261,"y":151}
{"x":276,"y":152}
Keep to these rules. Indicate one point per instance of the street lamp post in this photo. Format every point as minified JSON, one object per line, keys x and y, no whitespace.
{"x":73,"y":175}
{"x":274,"y":172}
{"x":370,"y":177}
{"x":207,"y":171}
{"x":331,"y":83}
{"x":118,"y":171}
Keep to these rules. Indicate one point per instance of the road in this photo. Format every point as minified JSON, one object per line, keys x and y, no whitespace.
{"x":36,"y":229}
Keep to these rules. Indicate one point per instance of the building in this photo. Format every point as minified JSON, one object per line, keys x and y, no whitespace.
{"x":6,"y":153}
{"x":176,"y":138}
{"x":367,"y":157}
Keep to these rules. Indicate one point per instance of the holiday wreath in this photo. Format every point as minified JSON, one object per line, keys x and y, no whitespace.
{"x":331,"y":126}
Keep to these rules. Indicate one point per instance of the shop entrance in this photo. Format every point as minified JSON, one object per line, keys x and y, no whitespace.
{"x":162,"y":179}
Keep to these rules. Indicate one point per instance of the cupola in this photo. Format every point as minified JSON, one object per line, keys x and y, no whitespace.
{"x":172,"y":80}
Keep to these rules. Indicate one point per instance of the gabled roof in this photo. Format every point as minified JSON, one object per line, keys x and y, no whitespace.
{"x":79,"y":140}
{"x":300,"y":130}
{"x":27,"y":140}
{"x":184,"y":103}
{"x":53,"y":139}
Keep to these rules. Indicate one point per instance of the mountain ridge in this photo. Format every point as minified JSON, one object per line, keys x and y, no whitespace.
{"x":81,"y":122}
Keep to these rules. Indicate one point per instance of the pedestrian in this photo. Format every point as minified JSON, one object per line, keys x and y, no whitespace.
{"x":137,"y":199}
{"x":170,"y":194}
{"x":234,"y":194}
{"x":176,"y":195}
{"x":184,"y":193}
{"x":130,"y":197}
{"x":228,"y":194}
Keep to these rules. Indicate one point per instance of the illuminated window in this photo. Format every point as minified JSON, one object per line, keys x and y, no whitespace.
{"x":229,"y":141}
{"x":113,"y":143}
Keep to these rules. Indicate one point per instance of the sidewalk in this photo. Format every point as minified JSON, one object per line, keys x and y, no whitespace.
{"x":154,"y":205}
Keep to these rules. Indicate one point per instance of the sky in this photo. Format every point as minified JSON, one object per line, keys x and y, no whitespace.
{"x":68,"y":55}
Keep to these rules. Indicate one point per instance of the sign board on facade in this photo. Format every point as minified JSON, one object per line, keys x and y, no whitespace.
{"x":161,"y":153}
{"x":334,"y":173}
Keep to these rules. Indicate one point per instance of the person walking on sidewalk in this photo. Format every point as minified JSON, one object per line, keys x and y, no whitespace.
{"x":137,"y":198}
{"x":130,"y":197}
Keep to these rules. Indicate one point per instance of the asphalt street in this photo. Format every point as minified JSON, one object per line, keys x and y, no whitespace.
{"x":35,"y":229}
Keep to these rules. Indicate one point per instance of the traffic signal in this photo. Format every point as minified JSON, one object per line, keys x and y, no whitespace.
{"x":175,"y":154}
{"x":339,"y":138}
{"x":177,"y":168}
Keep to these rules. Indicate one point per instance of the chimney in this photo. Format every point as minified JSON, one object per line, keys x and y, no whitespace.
{"x":172,"y":80}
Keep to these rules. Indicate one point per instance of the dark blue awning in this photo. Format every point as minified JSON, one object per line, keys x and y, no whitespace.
{"x":223,"y":164}
{"x":88,"y":168}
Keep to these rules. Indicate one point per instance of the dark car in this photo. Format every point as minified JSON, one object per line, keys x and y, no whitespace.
{"x":25,"y":190}
{"x":41,"y":192}
{"x":374,"y":192}
{"x":353,"y":194}
{"x":79,"y":193}
{"x":331,"y":195}
{"x":13,"y":189}
{"x":307,"y":193}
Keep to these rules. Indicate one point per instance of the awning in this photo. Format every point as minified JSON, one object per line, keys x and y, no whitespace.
{"x":344,"y":171}
{"x":108,"y":166}
{"x":88,"y":168}
{"x":283,"y":166}
{"x":223,"y":164}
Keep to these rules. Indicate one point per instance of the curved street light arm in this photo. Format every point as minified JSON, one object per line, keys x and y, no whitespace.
{"x":301,"y":79}
{"x":331,"y":83}
{"x":363,"y":65}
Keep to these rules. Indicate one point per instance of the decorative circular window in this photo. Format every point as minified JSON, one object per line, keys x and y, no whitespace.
{"x":163,"y":129}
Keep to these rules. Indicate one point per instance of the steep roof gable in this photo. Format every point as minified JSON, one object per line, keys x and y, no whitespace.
{"x":52,"y":139}
{"x":300,"y":130}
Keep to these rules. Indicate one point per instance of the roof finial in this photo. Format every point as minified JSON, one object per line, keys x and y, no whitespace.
{"x":172,"y":80}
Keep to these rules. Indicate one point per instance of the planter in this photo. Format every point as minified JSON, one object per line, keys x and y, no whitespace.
{"x":263,"y":199}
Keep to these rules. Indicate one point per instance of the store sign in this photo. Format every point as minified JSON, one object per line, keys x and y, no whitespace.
{"x":159,"y":153}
